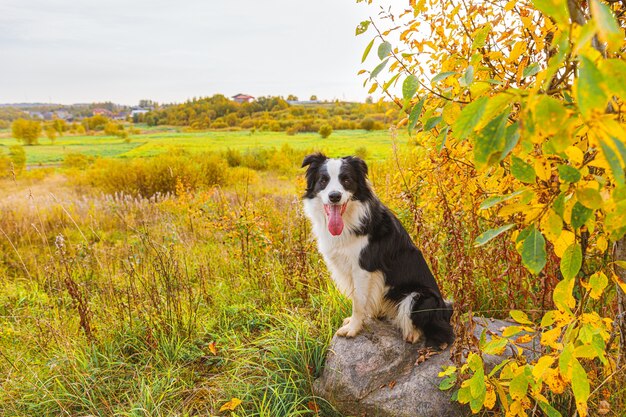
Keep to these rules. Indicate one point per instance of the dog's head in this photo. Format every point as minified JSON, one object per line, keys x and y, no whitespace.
{"x":336,"y":182}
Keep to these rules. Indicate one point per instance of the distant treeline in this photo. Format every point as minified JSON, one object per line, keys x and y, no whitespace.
{"x":273,"y":114}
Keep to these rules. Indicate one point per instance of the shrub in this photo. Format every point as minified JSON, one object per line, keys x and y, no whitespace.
{"x":233,"y":157}
{"x":325,"y":130}
{"x":77,"y":160}
{"x":160,"y":174}
{"x":368,"y":124}
{"x":361,"y":152}
{"x":18,"y":156}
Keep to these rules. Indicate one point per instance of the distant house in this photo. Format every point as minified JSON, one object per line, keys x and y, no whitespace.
{"x":242,"y":98}
{"x":101,"y":112}
{"x":138,"y":111}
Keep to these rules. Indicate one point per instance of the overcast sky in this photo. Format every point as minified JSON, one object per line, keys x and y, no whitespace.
{"x":71,"y":51}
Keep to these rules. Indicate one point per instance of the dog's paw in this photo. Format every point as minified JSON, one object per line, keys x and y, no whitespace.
{"x":414,"y":335}
{"x":346,"y":321}
{"x":351,"y":329}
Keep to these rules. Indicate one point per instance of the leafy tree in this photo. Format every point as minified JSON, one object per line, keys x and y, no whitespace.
{"x":26,"y":131}
{"x":60,"y":126}
{"x":368,"y":124}
{"x":325,"y":130}
{"x":291,"y":97}
{"x":51,"y":133}
{"x":526,"y":106}
{"x":97,"y":122}
{"x":313,"y":98}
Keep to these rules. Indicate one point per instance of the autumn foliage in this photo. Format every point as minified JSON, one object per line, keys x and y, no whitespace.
{"x":523,"y":102}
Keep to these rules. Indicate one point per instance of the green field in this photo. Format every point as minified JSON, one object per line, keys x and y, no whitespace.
{"x":377,"y":143}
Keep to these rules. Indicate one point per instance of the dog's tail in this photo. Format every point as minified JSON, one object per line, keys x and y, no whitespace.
{"x":432,"y":314}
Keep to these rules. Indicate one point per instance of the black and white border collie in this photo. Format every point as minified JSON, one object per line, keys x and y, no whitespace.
{"x":370,"y":255}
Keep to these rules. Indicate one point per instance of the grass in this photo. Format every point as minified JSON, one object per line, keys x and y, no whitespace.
{"x":151,"y":143}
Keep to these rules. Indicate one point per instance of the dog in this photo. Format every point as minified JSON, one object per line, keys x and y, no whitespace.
{"x":370,"y":255}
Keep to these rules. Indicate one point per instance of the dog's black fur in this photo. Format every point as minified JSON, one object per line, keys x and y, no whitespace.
{"x":389,"y":250}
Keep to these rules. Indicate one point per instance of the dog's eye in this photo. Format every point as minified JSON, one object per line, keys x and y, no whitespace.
{"x":346,"y":181}
{"x":323,"y":180}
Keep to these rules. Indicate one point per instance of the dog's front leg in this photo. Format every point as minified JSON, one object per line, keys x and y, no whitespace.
{"x":353,"y":324}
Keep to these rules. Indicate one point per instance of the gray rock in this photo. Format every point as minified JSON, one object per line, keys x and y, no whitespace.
{"x":376,"y":375}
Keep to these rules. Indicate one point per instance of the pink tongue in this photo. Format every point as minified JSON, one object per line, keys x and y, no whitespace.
{"x":335,"y":222}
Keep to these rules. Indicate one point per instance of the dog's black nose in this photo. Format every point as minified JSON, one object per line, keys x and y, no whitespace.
{"x":334,"y":197}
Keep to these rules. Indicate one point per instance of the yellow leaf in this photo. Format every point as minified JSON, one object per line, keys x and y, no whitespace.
{"x":619,"y":282}
{"x":563,"y":242}
{"x":541,"y":171}
{"x":602,"y":244}
{"x":554,"y":381}
{"x":597,"y":283}
{"x":550,"y":338}
{"x":542,"y":366}
{"x":213,"y":348}
{"x":552,"y":226}
{"x":589,"y":197}
{"x":574,"y":154}
{"x":490,"y":397}
{"x":230,"y":405}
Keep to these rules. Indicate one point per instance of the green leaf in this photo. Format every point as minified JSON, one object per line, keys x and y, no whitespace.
{"x":384,"y":49}
{"x":491,"y":233}
{"x":510,"y":139}
{"x":469,"y":118}
{"x":589,"y":197}
{"x":531,"y":70}
{"x":614,"y":162}
{"x":597,"y":282}
{"x":495,"y":346}
{"x":480,"y":36}
{"x":362,"y":27}
{"x":608,"y":29}
{"x":569,"y":173}
{"x":409,"y":87}
{"x":562,"y":295}
{"x":550,"y":114}
{"x":367,"y":49}
{"x":580,"y":215}
{"x":490,"y":142}
{"x":442,"y":76}
{"x":378,"y":69}
{"x":432,"y":122}
{"x":468,"y":76}
{"x":534,"y":251}
{"x":559,"y":205}
{"x":447,"y":383}
{"x":388,"y":83}
{"x":589,"y":93}
{"x":519,"y":386}
{"x":522,"y":170}
{"x":556,"y":9}
{"x":441,"y":139}
{"x":549,"y":410}
{"x":615,"y":70}
{"x":571,"y":261}
{"x":492,"y":201}
{"x":520,"y":317}
{"x":415,"y":113}
{"x":580,"y":384}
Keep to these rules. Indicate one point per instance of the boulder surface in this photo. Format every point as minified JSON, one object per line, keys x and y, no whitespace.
{"x":378,"y":374}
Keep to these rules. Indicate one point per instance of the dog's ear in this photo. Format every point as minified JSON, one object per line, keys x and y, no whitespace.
{"x":313,"y":159}
{"x":358,"y":164}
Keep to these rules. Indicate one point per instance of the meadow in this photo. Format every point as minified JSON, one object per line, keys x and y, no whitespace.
{"x":175,"y":275}
{"x":155,"y":141}
{"x":171,"y":301}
